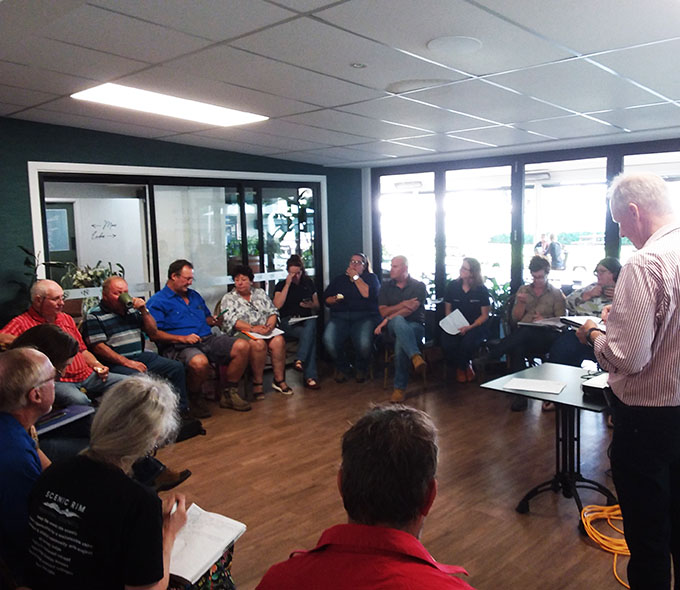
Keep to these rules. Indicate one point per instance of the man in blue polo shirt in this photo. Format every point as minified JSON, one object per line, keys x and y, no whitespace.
{"x":184,"y":333}
{"x":113,"y":333}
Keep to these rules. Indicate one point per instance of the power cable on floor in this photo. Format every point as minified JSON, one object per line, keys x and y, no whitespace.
{"x":615,"y":545}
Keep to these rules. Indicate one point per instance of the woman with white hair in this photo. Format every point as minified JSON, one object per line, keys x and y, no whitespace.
{"x":92,"y":525}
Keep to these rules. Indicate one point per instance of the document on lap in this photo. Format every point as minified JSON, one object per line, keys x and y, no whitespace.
{"x":201,"y":542}
{"x":576,"y":321}
{"x":256,"y":336}
{"x":453,"y":322}
{"x":293,"y":321}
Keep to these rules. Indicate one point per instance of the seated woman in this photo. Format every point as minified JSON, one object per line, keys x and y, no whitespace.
{"x":116,"y":534}
{"x":533,"y":302}
{"x":590,"y":300}
{"x":353,"y":300}
{"x":468,"y":294}
{"x":248,"y":309}
{"x":295,"y":297}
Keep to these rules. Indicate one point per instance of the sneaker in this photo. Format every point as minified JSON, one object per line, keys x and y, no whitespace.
{"x":169,"y":479}
{"x":461,"y":377}
{"x":519,"y":404}
{"x":198,"y":407}
{"x":398,"y":396}
{"x":232,"y":400}
{"x":282,"y":387}
{"x":418,"y":363}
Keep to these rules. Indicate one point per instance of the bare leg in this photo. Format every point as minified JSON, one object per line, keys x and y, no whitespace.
{"x":198,"y":370}
{"x":277,"y":348}
{"x":258,"y":356}
{"x":238,"y":361}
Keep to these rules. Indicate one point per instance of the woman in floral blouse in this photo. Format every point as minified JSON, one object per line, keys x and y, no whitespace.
{"x":248,"y":312}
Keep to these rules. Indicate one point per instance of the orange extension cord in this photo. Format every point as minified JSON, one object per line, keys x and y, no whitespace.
{"x":615,"y":545}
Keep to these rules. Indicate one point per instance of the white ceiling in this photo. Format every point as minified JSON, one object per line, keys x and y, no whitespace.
{"x":550,"y":74}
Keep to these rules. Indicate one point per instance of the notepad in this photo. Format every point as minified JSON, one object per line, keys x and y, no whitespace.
{"x":536,"y":385}
{"x":453,"y":322}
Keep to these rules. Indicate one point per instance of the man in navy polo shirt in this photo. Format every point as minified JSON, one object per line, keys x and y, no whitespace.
{"x":113,"y":333}
{"x":184,"y":333}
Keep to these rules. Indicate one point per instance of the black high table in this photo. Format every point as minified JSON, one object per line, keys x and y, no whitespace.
{"x":568,"y":404}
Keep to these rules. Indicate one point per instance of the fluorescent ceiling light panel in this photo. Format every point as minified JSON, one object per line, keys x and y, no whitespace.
{"x":163,"y":104}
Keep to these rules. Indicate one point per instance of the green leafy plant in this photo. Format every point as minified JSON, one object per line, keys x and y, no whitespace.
{"x":80,"y":277}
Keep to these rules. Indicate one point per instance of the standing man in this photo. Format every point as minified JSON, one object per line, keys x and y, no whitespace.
{"x":113,"y":332}
{"x":641,"y":352}
{"x":387,"y":483}
{"x":26,"y":393}
{"x":85,"y":373}
{"x":401,"y":304}
{"x":184,"y":334}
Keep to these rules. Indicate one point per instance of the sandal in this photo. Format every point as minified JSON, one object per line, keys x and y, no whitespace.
{"x":297,"y":365}
{"x":282,"y":387}
{"x":258,"y":394}
{"x":312,"y":383}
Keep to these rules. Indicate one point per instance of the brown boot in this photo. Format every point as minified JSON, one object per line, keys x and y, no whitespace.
{"x":232,"y":400}
{"x":198,"y":407}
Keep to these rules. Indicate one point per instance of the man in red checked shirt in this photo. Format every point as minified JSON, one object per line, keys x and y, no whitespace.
{"x":85,"y":372}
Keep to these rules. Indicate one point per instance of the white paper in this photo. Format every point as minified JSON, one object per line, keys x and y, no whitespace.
{"x":293,"y":321}
{"x":578,"y":320}
{"x":537,"y":385}
{"x":256,"y":336}
{"x":201,"y":542}
{"x":453,"y":322}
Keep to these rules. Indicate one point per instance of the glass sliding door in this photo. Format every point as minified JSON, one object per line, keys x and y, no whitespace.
{"x":477,"y":207}
{"x":407,"y":224}
{"x":568,"y":201}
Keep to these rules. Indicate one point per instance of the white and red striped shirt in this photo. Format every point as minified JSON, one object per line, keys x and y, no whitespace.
{"x":641,"y":350}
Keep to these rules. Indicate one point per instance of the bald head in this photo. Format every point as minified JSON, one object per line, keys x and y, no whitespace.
{"x":47,"y":299}
{"x":21,"y":371}
{"x":399,"y":268}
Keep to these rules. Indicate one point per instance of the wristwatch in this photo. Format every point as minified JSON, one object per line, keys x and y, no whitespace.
{"x":589,"y":340}
{"x":355,"y":278}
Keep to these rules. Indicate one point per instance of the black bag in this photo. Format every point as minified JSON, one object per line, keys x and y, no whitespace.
{"x":189,"y":427}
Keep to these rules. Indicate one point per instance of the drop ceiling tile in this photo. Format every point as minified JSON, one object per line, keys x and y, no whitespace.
{"x":7,"y":108}
{"x":219,"y":144}
{"x":499,"y":136}
{"x":107,"y":31}
{"x":326,"y":136}
{"x":179,"y":83}
{"x":393,"y":22}
{"x":409,"y":112}
{"x":71,"y":120}
{"x":322,"y":48}
{"x":21,"y":18}
{"x":305,"y":5}
{"x":354,"y":155}
{"x":311,"y":158}
{"x":653,"y":66}
{"x":442,"y":143}
{"x":250,"y":134}
{"x":486,"y":101}
{"x":211,"y":19}
{"x":393,"y":148}
{"x":23,"y":96}
{"x":69,"y":59}
{"x":643,"y":118}
{"x":32,"y":78}
{"x":349,"y":123}
{"x":569,"y":127}
{"x":593,"y":25}
{"x":576,"y":85}
{"x":235,"y":66}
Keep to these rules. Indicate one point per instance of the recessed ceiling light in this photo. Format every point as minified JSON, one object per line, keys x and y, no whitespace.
{"x":454,"y":45}
{"x":358,"y":66}
{"x":163,"y":104}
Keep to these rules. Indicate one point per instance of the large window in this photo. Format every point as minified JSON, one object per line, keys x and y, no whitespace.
{"x":477,"y":208}
{"x":407,"y":224}
{"x":565,"y":203}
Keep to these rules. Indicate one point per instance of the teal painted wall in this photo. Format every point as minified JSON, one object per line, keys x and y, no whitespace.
{"x":23,"y":141}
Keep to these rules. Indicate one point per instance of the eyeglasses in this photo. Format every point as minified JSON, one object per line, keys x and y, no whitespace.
{"x":45,"y":381}
{"x":356,"y":262}
{"x":600,"y":271}
{"x":57,"y":298}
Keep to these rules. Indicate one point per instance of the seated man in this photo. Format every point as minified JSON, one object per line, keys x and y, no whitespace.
{"x":113,"y":333}
{"x":400,"y":302}
{"x":85,"y":372}
{"x":184,"y":334}
{"x":387,"y":483}
{"x":26,"y":393}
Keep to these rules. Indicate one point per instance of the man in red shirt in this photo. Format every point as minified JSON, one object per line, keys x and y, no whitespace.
{"x":387,"y":483}
{"x":85,"y":372}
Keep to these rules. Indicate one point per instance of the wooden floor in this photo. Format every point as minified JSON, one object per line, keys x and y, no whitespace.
{"x":274,"y":469}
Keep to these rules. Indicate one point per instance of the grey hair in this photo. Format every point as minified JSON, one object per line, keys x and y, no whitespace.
{"x":402,"y":258}
{"x":648,"y":191}
{"x":20,"y":371}
{"x":41,"y":287}
{"x":135,"y":416}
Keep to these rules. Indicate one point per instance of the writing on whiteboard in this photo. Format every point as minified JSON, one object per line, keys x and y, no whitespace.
{"x":101,"y":231}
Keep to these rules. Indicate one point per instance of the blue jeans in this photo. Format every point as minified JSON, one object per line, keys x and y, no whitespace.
{"x":407,"y":336}
{"x":567,"y":350}
{"x":460,"y":350}
{"x":305,"y":333}
{"x":163,"y":367}
{"x":70,"y":394}
{"x":356,"y":326}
